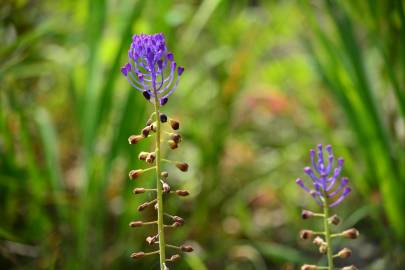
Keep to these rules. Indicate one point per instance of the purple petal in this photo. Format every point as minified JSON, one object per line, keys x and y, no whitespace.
{"x":345,"y":192}
{"x":180,"y":71}
{"x":301,"y":184}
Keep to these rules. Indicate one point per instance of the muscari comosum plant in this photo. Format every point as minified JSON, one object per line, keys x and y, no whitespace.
{"x":152,"y":70}
{"x":329,"y":190}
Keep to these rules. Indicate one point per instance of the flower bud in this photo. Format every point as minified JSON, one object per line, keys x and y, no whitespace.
{"x":174,"y":124}
{"x":145,"y":131}
{"x":305,"y":214}
{"x":138,"y":190}
{"x":149,"y":122}
{"x":172,"y":144}
{"x":351,"y":233}
{"x":142,"y":155}
{"x":318,"y":241}
{"x":143,"y":206}
{"x":323,"y":248}
{"x":134,"y":224}
{"x":176,"y":137}
{"x":166,"y":187}
{"x":351,"y":267}
{"x":164,"y":175}
{"x":186,"y":248}
{"x":345,"y":253}
{"x":151,"y":239}
{"x":182,"y":193}
{"x":134,"y":139}
{"x":137,"y":255}
{"x":177,"y":224}
{"x":163,"y":118}
{"x":135,"y":174}
{"x":182,"y":166}
{"x":306,"y":234}
{"x":146,"y":95}
{"x":178,"y":219}
{"x":174,"y":258}
{"x":163,"y":101}
{"x":309,"y":267}
{"x":335,"y":220}
{"x":153,"y":127}
{"x":150,"y":158}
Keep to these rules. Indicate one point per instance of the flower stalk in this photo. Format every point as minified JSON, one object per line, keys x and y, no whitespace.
{"x":152,"y":71}
{"x":159,"y":196}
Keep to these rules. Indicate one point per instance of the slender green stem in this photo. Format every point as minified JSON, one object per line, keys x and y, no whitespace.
{"x":328,"y":238}
{"x":161,"y":232}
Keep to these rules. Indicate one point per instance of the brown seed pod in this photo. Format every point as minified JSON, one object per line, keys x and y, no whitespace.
{"x":306,"y":234}
{"x":351,"y":233}
{"x":345,"y":253}
{"x":305,"y":214}
{"x":186,"y":248}
{"x":182,"y":166}
{"x":182,"y":193}
{"x":135,"y":174}
{"x":335,"y":220}
{"x":134,"y":139}
{"x":137,"y":255}
{"x":174,"y":124}
{"x":134,"y":224}
{"x":138,"y":190}
{"x":309,"y":267}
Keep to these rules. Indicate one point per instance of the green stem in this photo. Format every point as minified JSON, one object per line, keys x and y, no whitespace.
{"x":159,"y":192}
{"x":328,"y":238}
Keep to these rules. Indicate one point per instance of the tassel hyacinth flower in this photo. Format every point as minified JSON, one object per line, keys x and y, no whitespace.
{"x":152,"y":70}
{"x":328,"y":191}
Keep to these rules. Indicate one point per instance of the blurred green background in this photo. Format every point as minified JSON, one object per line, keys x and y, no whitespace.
{"x":265,"y":81}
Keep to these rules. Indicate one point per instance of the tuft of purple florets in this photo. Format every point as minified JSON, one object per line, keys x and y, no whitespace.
{"x":326,"y":184}
{"x":151,"y":68}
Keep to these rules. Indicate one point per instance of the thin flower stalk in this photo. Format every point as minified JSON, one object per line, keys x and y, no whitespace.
{"x":152,"y":70}
{"x":328,"y":190}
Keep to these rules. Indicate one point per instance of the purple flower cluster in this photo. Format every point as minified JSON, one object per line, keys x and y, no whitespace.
{"x":151,"y":68}
{"x":327,"y":187}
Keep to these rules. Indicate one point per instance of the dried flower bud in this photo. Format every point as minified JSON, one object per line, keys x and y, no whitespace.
{"x":153,"y":127}
{"x":134,"y":224}
{"x":143,"y":206}
{"x":138,"y":190}
{"x":306,"y":234}
{"x":165,"y":267}
{"x":145,"y":131}
{"x":345,"y":253}
{"x":164,"y":175}
{"x":309,"y":267}
{"x":149,"y":122}
{"x":318,"y":241}
{"x":323,"y":248}
{"x":174,"y":258}
{"x":174,"y":124}
{"x":135,"y":174}
{"x":182,"y":166}
{"x":176,"y":137}
{"x":351,"y":267}
{"x":134,"y":139}
{"x":150,"y":158}
{"x":137,"y":255}
{"x":151,"y":239}
{"x":351,"y":233}
{"x":178,"y":219}
{"x":172,"y":144}
{"x":166,"y":187}
{"x":163,"y":118}
{"x":183,"y":193}
{"x":142,"y":155}
{"x":177,"y":224}
{"x":186,"y":248}
{"x":305,"y":214}
{"x":335,"y":220}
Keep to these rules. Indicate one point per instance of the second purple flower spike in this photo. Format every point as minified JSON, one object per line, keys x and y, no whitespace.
{"x":327,"y":187}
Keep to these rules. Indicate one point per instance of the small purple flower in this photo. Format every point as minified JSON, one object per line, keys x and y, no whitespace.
{"x":326,"y":186}
{"x":151,"y":68}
